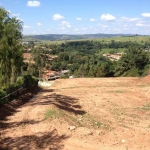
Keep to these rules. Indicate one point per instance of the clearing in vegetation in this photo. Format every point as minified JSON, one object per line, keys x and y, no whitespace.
{"x":82,"y":114}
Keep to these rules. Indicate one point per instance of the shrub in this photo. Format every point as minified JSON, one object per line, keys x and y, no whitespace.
{"x":134,"y":72}
{"x":30,"y":81}
{"x":2,"y":94}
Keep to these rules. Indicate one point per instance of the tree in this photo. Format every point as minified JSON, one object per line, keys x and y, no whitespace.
{"x":63,"y":56}
{"x":11,"y":59}
{"x":132,"y":63}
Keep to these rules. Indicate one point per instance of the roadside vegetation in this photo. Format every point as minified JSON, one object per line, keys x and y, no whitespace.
{"x":12,"y":67}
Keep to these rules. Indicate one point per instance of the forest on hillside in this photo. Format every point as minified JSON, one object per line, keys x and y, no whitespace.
{"x":85,"y":58}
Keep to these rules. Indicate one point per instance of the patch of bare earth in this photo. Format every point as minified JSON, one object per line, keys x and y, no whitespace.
{"x":83,"y":114}
{"x":28,"y":58}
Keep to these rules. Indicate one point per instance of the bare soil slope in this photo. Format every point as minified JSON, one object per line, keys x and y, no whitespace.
{"x":82,"y":114}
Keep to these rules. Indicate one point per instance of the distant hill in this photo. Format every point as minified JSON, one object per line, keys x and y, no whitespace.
{"x":58,"y":37}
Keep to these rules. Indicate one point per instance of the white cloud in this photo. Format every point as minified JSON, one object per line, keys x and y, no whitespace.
{"x":125,"y":28}
{"x":129,"y":19}
{"x":9,"y":11}
{"x":76,"y":29}
{"x":78,"y":18}
{"x":146,"y":15}
{"x":92,"y":19}
{"x":85,"y":28}
{"x":57,"y":17}
{"x":108,"y":17}
{"x":19,"y":19}
{"x":62,"y":28}
{"x":139,"y":24}
{"x":26,"y":27}
{"x":33,"y":3}
{"x":142,"y":25}
{"x":16,"y":15}
{"x":65,"y":24}
{"x":39,"y":24}
{"x":104,"y":26}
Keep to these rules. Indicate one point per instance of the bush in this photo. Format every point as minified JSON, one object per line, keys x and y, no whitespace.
{"x":30,"y":81}
{"x":15,"y":86}
{"x":2,"y":94}
{"x":27,"y":81}
{"x":134,"y":72}
{"x":146,"y":71}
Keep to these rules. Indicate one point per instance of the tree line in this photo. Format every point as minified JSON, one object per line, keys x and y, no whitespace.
{"x":83,"y":59}
{"x":12,"y":66}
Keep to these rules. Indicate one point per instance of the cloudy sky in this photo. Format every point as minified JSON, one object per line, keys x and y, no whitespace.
{"x":81,"y":16}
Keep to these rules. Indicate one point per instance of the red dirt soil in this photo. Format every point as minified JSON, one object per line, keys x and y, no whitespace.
{"x":108,"y":113}
{"x":28,"y":58}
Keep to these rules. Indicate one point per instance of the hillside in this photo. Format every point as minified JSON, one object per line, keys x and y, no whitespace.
{"x":82,"y":114}
{"x":57,"y":37}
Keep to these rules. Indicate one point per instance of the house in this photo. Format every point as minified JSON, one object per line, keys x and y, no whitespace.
{"x":50,"y":75}
{"x":113,"y":57}
{"x":64,"y":71}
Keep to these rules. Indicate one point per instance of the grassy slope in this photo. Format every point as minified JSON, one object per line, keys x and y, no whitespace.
{"x":138,"y":39}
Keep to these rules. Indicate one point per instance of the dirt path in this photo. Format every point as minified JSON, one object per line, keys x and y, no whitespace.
{"x":108,"y":114}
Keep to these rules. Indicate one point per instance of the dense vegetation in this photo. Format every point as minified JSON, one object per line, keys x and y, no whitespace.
{"x":84,"y":58}
{"x":11,"y":58}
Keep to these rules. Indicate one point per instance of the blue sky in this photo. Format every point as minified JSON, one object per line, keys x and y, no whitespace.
{"x":81,"y":16}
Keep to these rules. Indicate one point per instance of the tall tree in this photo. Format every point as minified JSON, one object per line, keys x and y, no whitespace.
{"x":132,"y":63}
{"x":11,"y":59}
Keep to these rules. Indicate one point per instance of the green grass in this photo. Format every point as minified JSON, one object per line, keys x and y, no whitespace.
{"x":93,"y":121}
{"x":146,"y":107}
{"x":138,"y":39}
{"x":117,"y":91}
{"x":72,"y":119}
{"x":51,"y":113}
{"x":109,"y":50}
{"x":85,"y":120}
{"x":52,"y":42}
{"x":55,"y":114}
{"x":99,"y":124}
{"x":59,"y":42}
{"x":143,"y":85}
